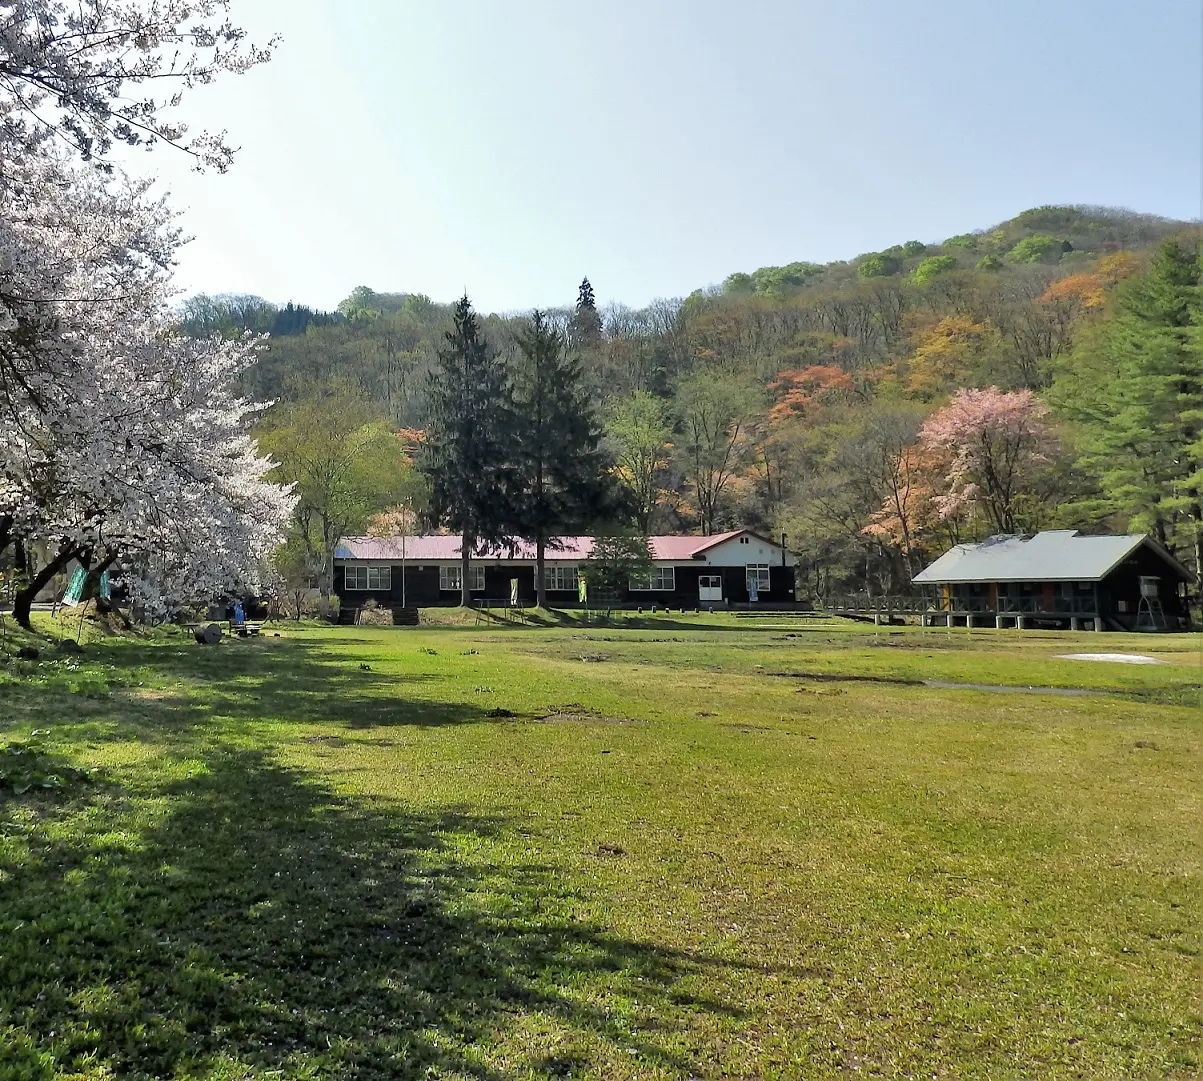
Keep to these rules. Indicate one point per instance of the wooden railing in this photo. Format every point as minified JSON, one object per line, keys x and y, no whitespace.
{"x":866,"y":604}
{"x":875,"y":604}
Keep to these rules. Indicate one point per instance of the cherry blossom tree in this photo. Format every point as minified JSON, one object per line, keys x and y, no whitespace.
{"x":122,"y":443}
{"x":995,"y":441}
{"x":89,"y":73}
{"x":142,"y":461}
{"x":909,"y":518}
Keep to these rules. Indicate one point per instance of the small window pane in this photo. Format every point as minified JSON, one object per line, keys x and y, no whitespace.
{"x":660,"y":578}
{"x":449,"y":578}
{"x":562,"y":578}
{"x":758,"y":577}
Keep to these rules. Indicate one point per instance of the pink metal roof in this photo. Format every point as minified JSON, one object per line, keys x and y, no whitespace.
{"x":677,"y":547}
{"x":446,"y":547}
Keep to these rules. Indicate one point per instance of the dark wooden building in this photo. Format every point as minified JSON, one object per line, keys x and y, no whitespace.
{"x":736,"y":568}
{"x":1062,"y":578}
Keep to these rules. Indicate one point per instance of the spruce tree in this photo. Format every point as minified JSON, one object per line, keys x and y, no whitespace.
{"x":585,"y":328}
{"x":564,"y":478}
{"x":468,"y":452}
{"x":1136,"y":389}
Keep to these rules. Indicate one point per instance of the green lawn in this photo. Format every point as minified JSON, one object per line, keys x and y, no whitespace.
{"x":703,"y":848}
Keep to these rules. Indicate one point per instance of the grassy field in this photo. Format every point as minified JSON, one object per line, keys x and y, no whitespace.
{"x":701,"y":848}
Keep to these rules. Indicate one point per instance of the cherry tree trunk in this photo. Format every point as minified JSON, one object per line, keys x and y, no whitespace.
{"x":23,"y":598}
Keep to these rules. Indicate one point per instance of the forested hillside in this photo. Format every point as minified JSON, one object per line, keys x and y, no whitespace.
{"x":1045,"y":372}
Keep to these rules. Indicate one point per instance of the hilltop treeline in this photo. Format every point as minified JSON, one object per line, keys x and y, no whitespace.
{"x":875,"y":410}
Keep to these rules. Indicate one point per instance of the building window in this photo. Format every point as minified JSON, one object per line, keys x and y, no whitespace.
{"x":449,"y":578}
{"x":361,"y":576}
{"x":563,"y":578}
{"x":660,"y":578}
{"x":758,"y":577}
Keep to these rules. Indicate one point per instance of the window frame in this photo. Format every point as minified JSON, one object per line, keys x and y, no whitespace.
{"x":635,"y":585}
{"x":447,"y":572}
{"x":555,"y":574}
{"x":356,"y":573}
{"x":763,"y":578}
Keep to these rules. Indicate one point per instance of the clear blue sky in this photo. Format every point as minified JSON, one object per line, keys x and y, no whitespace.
{"x":510,"y":148}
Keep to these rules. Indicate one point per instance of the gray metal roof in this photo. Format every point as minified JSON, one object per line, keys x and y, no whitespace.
{"x":1057,"y":555}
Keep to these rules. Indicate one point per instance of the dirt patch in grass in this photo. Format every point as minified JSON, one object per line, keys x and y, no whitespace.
{"x":1070,"y":692}
{"x":899,"y":640}
{"x":840,"y":677}
{"x":942,"y":684}
{"x":151,"y":694}
{"x":584,"y":717}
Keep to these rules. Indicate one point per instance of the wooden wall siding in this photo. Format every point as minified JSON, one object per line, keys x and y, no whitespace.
{"x":422,"y":588}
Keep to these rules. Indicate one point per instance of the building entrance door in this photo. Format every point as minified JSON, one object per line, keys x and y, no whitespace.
{"x":710,"y":587}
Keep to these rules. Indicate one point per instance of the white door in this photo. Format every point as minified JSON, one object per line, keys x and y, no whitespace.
{"x":710,"y":587}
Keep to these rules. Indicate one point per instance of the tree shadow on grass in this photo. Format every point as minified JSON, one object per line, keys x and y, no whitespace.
{"x":254,"y":922}
{"x":280,"y":680}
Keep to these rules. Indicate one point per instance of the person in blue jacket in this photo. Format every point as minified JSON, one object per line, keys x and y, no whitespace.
{"x":239,"y":617}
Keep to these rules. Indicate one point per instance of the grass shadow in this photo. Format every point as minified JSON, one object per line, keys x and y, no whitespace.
{"x":254,"y":922}
{"x":274,"y":679}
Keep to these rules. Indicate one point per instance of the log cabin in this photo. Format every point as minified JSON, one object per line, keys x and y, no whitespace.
{"x":1062,"y":578}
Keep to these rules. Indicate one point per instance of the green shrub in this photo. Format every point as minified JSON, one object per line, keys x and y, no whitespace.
{"x":990,"y":262}
{"x":962,"y":240}
{"x":1037,"y":248}
{"x":933,"y":267}
{"x":737,"y":284}
{"x":878,"y":265}
{"x":914,"y":247}
{"x":771,"y":281}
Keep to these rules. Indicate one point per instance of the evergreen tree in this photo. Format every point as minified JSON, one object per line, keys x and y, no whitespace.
{"x":1136,"y":389}
{"x":615,"y":560}
{"x":467,"y":454}
{"x":564,"y":478}
{"x":585,"y":328}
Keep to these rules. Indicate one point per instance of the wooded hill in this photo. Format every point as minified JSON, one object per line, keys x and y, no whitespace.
{"x":823,"y":400}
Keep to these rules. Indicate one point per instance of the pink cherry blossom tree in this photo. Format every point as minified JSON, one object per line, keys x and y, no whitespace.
{"x":995,"y":442}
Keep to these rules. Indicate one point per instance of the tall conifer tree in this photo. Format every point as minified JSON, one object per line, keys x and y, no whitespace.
{"x":565,"y":481}
{"x":1136,"y":389}
{"x":468,"y":453}
{"x":585,"y":328}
